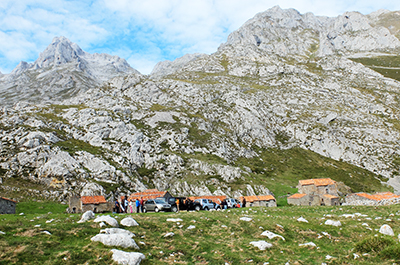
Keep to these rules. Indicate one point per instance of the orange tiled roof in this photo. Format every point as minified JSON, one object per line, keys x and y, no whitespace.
{"x":258,"y":198}
{"x":330,"y":196}
{"x":214,"y":198}
{"x":297,"y":196}
{"x":7,"y":199}
{"x":317,"y":182}
{"x":378,"y":196}
{"x":147,"y":194}
{"x":93,"y":199}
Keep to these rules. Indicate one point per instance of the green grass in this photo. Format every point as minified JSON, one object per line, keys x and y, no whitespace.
{"x":73,"y":145}
{"x":210,"y":242}
{"x":388,"y":66}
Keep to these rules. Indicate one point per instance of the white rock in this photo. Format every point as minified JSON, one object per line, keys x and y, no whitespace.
{"x":86,"y":216}
{"x":170,"y":234}
{"x":116,"y":231}
{"x":37,"y":225}
{"x":262,"y":245}
{"x":355,"y":256}
{"x":271,"y":235}
{"x":328,"y":257}
{"x":301,"y":219}
{"x":308,"y":244}
{"x":2,"y":233}
{"x":49,"y":221}
{"x":116,"y":240}
{"x":21,"y":214}
{"x":108,"y":219}
{"x":46,"y":232}
{"x":191,"y":227}
{"x":333,"y":223}
{"x":129,"y":221}
{"x":386,"y":230}
{"x":127,"y":258}
{"x":102,"y":224}
{"x":224,"y":226}
{"x":246,"y":219}
{"x":174,"y":220}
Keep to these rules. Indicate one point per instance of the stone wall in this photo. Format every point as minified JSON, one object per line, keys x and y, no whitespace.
{"x":7,"y":206}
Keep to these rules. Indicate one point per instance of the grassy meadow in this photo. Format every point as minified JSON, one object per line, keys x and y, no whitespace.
{"x":218,"y":237}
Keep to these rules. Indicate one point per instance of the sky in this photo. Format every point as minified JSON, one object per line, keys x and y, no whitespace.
{"x":143,"y":32}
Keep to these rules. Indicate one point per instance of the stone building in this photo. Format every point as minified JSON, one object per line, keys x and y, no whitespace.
{"x":7,"y":206}
{"x":362,"y":198}
{"x":97,"y":204}
{"x":260,"y":200}
{"x":315,"y":192}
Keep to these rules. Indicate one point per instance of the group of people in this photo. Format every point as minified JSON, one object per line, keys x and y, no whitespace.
{"x":125,"y":206}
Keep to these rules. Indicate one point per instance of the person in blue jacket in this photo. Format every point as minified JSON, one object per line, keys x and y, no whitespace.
{"x":137,"y":205}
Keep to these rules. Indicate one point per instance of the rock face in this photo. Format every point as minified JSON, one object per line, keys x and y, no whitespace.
{"x":204,"y":124}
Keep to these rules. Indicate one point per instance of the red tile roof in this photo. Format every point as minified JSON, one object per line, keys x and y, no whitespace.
{"x":147,"y":194}
{"x":330,"y":196}
{"x":258,"y":198}
{"x":297,"y":196}
{"x":378,"y":196}
{"x":317,"y":182}
{"x":93,"y":199}
{"x":214,"y":198}
{"x":7,"y":199}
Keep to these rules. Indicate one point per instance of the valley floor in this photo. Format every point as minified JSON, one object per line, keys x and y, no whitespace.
{"x":219,"y":237}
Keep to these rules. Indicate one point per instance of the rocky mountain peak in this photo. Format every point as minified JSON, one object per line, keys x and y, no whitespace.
{"x":60,"y":51}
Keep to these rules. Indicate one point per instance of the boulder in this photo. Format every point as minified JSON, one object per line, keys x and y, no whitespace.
{"x":86,"y":216}
{"x":308,"y":244}
{"x":129,"y":221}
{"x":333,"y":223}
{"x":128,"y":258}
{"x":108,"y":219}
{"x":115,"y":240}
{"x":190,"y":227}
{"x":301,"y":219}
{"x":116,"y":231}
{"x":170,"y":234}
{"x":246,"y":219}
{"x":271,"y":235}
{"x":174,"y":220}
{"x":2,"y":233}
{"x":386,"y":230}
{"x":262,"y":245}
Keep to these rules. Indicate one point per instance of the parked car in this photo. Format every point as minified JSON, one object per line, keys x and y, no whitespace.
{"x":232,"y":203}
{"x":207,"y":204}
{"x":190,"y":205}
{"x":156,"y":205}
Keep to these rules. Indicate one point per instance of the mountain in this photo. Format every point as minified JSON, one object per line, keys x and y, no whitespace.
{"x":62,"y":70}
{"x":289,"y":96}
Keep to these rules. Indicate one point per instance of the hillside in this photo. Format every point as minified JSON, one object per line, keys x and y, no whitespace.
{"x":288,"y":96}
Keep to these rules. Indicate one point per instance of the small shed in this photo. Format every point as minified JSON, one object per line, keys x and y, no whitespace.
{"x":7,"y":206}
{"x":260,"y":200}
{"x":97,"y":204}
{"x":369,"y":198}
{"x":149,"y":194}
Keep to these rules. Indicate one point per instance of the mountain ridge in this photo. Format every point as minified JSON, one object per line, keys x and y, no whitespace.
{"x":247,"y":119}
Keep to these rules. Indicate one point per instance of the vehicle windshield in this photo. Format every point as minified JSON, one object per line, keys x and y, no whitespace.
{"x":159,"y":201}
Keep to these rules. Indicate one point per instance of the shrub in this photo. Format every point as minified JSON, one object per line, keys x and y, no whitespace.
{"x":374,"y":244}
{"x":391,"y":252}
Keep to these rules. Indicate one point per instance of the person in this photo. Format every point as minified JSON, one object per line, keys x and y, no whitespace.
{"x":116,"y":209}
{"x":121,"y":206}
{"x":141,"y":204}
{"x":224,"y":204}
{"x":177,"y":204}
{"x":137,"y":205}
{"x":244,"y":202}
{"x":126,"y":204}
{"x":130,"y":206}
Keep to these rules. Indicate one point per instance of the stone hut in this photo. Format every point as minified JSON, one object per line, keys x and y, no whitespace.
{"x":7,"y":206}
{"x":315,"y":192}
{"x":97,"y":204}
{"x":362,"y":198}
{"x":260,"y":200}
{"x":149,"y":194}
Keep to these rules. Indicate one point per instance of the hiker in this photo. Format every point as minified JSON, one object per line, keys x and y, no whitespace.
{"x":130,"y":206}
{"x":141,"y":204}
{"x":125,"y":204}
{"x":121,"y":207}
{"x":244,"y":202}
{"x":116,"y":208}
{"x":137,"y":205}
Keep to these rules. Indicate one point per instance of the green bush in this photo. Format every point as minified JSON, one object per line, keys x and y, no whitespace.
{"x":391,"y":252}
{"x":374,"y":244}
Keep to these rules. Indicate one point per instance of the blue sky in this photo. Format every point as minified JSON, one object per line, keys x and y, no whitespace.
{"x":143,"y":32}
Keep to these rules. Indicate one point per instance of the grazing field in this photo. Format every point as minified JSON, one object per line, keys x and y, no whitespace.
{"x":218,"y":237}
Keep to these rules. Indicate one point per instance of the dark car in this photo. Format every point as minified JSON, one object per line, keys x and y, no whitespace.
{"x":156,"y":205}
{"x":184,"y":203}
